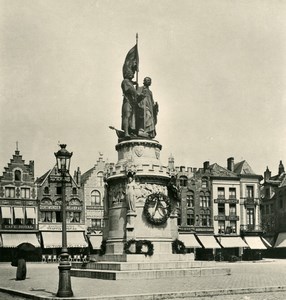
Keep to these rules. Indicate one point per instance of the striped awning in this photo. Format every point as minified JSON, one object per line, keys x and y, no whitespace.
{"x":189,"y":240}
{"x":254,"y":242}
{"x":95,"y":241}
{"x":208,"y":241}
{"x":53,"y":239}
{"x":12,"y":240}
{"x":232,"y":242}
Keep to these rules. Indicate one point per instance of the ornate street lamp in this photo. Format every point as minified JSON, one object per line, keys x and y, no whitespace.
{"x":63,"y":163}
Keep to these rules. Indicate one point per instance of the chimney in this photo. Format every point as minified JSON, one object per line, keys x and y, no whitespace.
{"x":230,"y":164}
{"x":182,"y":169}
{"x":78,"y":176}
{"x":267,"y":174}
{"x":281,"y":168}
{"x":206,"y":165}
{"x":32,"y":167}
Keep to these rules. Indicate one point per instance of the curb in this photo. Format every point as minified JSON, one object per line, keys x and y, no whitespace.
{"x":156,"y":296}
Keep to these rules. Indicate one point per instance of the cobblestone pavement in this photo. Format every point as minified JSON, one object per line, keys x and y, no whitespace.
{"x":42,"y":280}
{"x":259,"y":296}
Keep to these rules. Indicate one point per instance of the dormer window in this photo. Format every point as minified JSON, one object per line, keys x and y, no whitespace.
{"x":17,"y":175}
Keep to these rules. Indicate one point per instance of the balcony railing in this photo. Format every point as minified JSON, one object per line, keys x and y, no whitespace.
{"x":233,"y":218}
{"x":220,"y":218}
{"x":251,"y":201}
{"x":223,"y":200}
{"x":250,"y":228}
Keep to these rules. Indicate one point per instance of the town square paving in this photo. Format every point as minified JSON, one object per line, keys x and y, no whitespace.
{"x":248,"y":281}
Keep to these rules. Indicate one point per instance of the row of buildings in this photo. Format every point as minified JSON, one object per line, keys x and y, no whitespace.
{"x":215,"y":201}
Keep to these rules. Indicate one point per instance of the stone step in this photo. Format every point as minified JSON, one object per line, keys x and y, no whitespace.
{"x":149,"y":274}
{"x":143,"y":258}
{"x":128,"y":266}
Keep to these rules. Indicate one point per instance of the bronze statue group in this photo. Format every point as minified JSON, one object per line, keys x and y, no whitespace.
{"x":139,"y":111}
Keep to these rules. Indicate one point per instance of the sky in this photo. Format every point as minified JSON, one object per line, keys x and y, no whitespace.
{"x":218,"y":72}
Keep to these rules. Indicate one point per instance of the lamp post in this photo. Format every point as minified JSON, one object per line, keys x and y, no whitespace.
{"x":63,"y":164}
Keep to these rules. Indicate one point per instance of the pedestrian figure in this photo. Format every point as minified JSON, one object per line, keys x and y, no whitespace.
{"x":21,"y":269}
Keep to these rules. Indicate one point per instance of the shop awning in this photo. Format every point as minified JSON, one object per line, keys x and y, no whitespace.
{"x":6,"y":212}
{"x":12,"y":240}
{"x":189,"y":240}
{"x":30,"y":212}
{"x":266,"y":242}
{"x":95,"y":241}
{"x":232,"y":242}
{"x":208,"y":241}
{"x":53,"y":239}
{"x":254,"y":242}
{"x":281,"y":240}
{"x":18,"y":211}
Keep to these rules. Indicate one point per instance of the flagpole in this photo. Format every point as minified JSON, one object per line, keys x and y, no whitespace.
{"x":137,"y":62}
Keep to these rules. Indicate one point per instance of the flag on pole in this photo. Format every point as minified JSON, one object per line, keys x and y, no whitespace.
{"x":131,"y":61}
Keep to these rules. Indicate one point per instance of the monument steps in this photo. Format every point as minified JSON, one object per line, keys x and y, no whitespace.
{"x":128,"y":266}
{"x":148,"y":274}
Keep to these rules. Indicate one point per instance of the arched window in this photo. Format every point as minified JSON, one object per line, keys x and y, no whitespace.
{"x":100,"y":178}
{"x":74,"y":191}
{"x":95,"y":198}
{"x":17,"y":175}
{"x":46,"y":190}
{"x":190,"y":199}
{"x":204,"y":183}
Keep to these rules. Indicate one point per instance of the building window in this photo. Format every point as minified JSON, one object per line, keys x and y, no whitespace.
{"x":17,"y":175}
{"x":267,"y":193}
{"x":183,"y":181}
{"x":232,"y":210}
{"x":204,"y":183}
{"x":233,"y":226}
{"x":10,"y":192}
{"x":46,"y":190}
{"x":204,"y":220}
{"x":100,"y":178}
{"x":221,"y":226}
{"x":202,"y":200}
{"x":59,"y":190}
{"x":58,"y":216}
{"x":95,"y":198}
{"x":232,"y":193}
{"x":25,"y":193}
{"x":220,"y":193}
{"x":250,"y":216}
{"x":190,"y":199}
{"x":280,"y":203}
{"x":74,"y":217}
{"x":74,"y":191}
{"x":190,"y":219}
{"x":208,"y":199}
{"x":96,"y":223}
{"x":249,"y":191}
{"x":221,"y":209}
{"x":46,"y":216}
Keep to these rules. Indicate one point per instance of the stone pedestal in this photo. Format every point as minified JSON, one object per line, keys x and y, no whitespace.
{"x":141,"y":159}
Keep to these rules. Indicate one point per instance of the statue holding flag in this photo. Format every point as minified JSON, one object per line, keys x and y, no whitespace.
{"x":139,"y":113}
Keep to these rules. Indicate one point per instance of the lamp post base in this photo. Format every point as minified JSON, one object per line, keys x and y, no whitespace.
{"x":64,"y":280}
